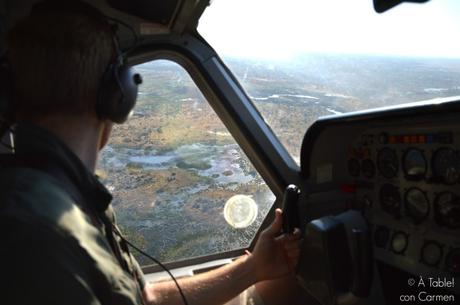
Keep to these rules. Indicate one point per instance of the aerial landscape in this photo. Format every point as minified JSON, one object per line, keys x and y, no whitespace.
{"x":173,"y":165}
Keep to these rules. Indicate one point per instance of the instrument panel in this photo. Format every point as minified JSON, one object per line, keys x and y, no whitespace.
{"x":408,"y":183}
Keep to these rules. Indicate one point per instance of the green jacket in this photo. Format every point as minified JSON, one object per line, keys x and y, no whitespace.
{"x":56,"y":222}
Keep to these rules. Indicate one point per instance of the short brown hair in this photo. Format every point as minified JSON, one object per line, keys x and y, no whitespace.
{"x":57,"y":60}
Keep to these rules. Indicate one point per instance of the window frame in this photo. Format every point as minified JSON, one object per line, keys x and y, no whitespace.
{"x":237,"y":112}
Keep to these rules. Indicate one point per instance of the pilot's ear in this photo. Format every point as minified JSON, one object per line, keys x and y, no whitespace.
{"x":105,"y":133}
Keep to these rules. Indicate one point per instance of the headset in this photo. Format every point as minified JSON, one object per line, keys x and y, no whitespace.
{"x":118,"y":87}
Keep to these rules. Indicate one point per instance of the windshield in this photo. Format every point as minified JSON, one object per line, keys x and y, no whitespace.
{"x":305,"y":59}
{"x":182,"y":186}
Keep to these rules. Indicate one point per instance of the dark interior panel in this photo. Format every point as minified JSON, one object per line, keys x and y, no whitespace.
{"x":157,"y":11}
{"x":400,"y":168}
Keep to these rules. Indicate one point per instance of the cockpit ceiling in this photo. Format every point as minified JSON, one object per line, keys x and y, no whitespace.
{"x":157,"y":11}
{"x":147,"y":17}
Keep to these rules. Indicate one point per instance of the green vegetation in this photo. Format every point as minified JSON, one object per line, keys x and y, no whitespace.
{"x":186,"y":245}
{"x":195,"y":165}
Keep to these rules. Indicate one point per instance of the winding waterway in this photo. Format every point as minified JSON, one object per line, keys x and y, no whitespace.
{"x":222,"y":163}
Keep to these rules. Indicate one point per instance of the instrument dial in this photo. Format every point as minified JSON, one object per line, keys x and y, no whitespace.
{"x":447,"y":210}
{"x":387,"y":163}
{"x":399,"y":242}
{"x":368,"y":168}
{"x":354,"y":167}
{"x":431,"y":253}
{"x":390,"y":200}
{"x":414,"y":164}
{"x":416,"y":204}
{"x":446,"y":165}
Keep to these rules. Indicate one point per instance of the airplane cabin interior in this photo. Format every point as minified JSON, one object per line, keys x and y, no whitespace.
{"x":375,"y":192}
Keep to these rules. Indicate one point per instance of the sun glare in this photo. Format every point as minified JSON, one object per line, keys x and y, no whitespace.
{"x":274,"y":29}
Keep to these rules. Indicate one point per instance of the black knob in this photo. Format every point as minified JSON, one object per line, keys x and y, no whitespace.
{"x":137,"y":79}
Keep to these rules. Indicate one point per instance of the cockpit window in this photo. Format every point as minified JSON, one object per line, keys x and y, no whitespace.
{"x":182,"y":186}
{"x":299,"y":60}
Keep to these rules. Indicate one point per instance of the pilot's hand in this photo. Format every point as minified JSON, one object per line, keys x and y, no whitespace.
{"x":275,"y":255}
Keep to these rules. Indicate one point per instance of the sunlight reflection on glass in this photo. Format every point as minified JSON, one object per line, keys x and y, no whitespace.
{"x":240,"y":211}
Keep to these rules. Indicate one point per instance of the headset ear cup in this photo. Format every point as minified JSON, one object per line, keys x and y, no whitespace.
{"x":129,"y":82}
{"x":117,"y":93}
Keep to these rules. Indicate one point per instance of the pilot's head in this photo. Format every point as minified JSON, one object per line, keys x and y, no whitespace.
{"x":58,"y":59}
{"x":66,"y":65}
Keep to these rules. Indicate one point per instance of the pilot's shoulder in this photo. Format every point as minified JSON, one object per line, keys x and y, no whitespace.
{"x":33,"y":197}
{"x":31,"y":189}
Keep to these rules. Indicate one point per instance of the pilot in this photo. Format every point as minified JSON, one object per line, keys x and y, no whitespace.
{"x":60,"y":243}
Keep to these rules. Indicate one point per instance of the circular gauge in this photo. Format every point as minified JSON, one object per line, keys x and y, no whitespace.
{"x":390,"y":200}
{"x":446,"y":165}
{"x":368,"y":168}
{"x":447,"y":210}
{"x":453,"y":261}
{"x":381,"y":236}
{"x":431,"y":253}
{"x":354,"y":168}
{"x":414,"y":164}
{"x":416,"y":204}
{"x":399,"y":242}
{"x":387,"y":163}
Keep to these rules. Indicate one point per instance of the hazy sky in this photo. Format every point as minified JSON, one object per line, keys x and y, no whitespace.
{"x":281,"y":28}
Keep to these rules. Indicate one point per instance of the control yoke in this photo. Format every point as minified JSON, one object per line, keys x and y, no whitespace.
{"x":336,"y":260}
{"x":289,"y":207}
